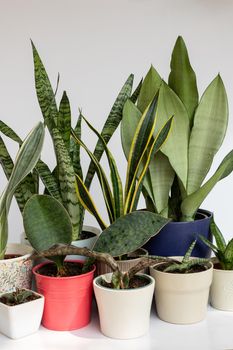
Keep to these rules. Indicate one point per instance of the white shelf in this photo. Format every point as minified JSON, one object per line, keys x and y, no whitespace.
{"x":214,"y":333}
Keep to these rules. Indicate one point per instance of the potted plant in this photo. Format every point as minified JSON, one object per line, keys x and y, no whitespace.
{"x":221,"y":295}
{"x":174,"y":186}
{"x":60,"y":182}
{"x":182,"y":288}
{"x":20,"y":313}
{"x":117,"y":201}
{"x":15,"y":268}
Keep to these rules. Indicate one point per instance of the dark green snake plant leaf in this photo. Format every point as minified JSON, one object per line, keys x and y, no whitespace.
{"x":110,"y":125}
{"x":75,"y":148}
{"x":64,"y":120}
{"x":182,"y":78}
{"x":129,"y":232}
{"x":26,"y":160}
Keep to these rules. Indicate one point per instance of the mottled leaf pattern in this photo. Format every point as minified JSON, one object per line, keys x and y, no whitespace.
{"x":64,"y":120}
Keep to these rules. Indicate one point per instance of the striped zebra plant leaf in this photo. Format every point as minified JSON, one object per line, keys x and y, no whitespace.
{"x":45,"y":94}
{"x":75,"y":148}
{"x":182,"y":78}
{"x":67,"y":181}
{"x":26,"y":159}
{"x":64,"y":119}
{"x":7,"y":131}
{"x":110,"y":125}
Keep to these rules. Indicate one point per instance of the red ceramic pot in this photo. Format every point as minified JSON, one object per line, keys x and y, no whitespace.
{"x":67,"y":299}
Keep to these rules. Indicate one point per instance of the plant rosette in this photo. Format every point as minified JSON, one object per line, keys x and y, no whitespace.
{"x":221,"y":290}
{"x":67,"y":299}
{"x":16,"y":268}
{"x":22,"y":319}
{"x":124,"y":265}
{"x":182,"y":298}
{"x":124,"y":313}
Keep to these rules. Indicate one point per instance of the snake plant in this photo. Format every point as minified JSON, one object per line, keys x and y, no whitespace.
{"x":222,"y":250}
{"x":175,"y":185}
{"x":60,"y":183}
{"x":143,"y":149}
{"x":26,"y":159}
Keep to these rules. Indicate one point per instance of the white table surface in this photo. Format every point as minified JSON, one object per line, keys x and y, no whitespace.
{"x":215,"y":333}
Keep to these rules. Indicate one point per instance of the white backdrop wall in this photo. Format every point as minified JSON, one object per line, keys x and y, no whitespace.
{"x":95,"y":45}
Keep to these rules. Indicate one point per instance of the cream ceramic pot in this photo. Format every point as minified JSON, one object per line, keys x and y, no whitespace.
{"x":221,"y":290}
{"x":124,"y":314}
{"x":16,"y":272}
{"x":182,"y":298}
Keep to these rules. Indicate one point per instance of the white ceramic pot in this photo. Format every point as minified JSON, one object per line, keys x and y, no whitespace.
{"x":182,"y":298}
{"x":16,"y":272}
{"x":124,"y":265}
{"x":124,"y":314}
{"x":21,"y":320}
{"x":88,"y":243}
{"x":221,"y":290}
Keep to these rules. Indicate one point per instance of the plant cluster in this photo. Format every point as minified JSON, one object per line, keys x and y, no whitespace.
{"x":19,"y":296}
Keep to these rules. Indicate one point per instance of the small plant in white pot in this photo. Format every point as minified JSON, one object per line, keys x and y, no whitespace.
{"x":221,"y":291}
{"x":182,"y":288}
{"x":15,"y":268}
{"x":20,"y":313}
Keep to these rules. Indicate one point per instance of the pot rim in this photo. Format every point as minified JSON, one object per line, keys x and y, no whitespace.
{"x":35,"y":268}
{"x":132,"y":290}
{"x":223,"y":271}
{"x":21,"y":257}
{"x":181,"y":274}
{"x":206,"y":216}
{"x":21,"y":305}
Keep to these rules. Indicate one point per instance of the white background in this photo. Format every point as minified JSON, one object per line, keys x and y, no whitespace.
{"x":95,"y":45}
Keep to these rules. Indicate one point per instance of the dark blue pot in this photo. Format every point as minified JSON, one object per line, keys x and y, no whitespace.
{"x":175,"y":238}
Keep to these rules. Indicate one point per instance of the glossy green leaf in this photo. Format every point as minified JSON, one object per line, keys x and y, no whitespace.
{"x":110,"y":125}
{"x":129,"y":232}
{"x":192,"y":202}
{"x":177,"y":144}
{"x":182,"y":78}
{"x":208,"y":132}
{"x":149,"y":89}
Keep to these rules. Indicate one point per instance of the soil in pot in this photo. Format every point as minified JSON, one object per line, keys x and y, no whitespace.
{"x":11,"y":256}
{"x":86,"y":234}
{"x":69,"y":269}
{"x":193,"y":269}
{"x":135,"y":282}
{"x":20,"y":296}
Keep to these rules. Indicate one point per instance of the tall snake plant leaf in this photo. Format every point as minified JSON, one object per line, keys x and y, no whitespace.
{"x":87,"y":201}
{"x":210,"y":124}
{"x":136,"y":92}
{"x":75,"y":148}
{"x":220,"y":241}
{"x":192,"y":202}
{"x":110,"y":125}
{"x":160,"y":175}
{"x":67,"y":181}
{"x":149,"y":89}
{"x":7,"y":131}
{"x":182,"y":78}
{"x":155,"y":146}
{"x":45,"y":227}
{"x":106,"y":190}
{"x":45,"y":94}
{"x":129,"y":232}
{"x":26,"y":159}
{"x":115,"y":177}
{"x":64,"y":120}
{"x":177,"y":144}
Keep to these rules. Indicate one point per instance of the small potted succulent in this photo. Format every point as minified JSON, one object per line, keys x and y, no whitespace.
{"x":20,"y":313}
{"x":221,"y":292}
{"x":175,"y":184}
{"x":182,"y":288}
{"x":15,"y":268}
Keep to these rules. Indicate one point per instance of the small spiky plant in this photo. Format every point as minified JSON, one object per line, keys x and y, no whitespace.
{"x":19,"y":296}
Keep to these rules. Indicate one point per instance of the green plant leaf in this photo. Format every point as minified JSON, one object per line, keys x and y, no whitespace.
{"x":67,"y":181}
{"x":110,"y":125}
{"x":220,"y":241}
{"x":136,"y":92}
{"x":177,"y":144}
{"x":7,"y":131}
{"x":228,"y":254}
{"x":182,"y":78}
{"x":64,"y":120}
{"x":192,"y":202}
{"x":129,"y":232}
{"x":87,"y":201}
{"x":209,"y":244}
{"x":208,"y":132}
{"x":149,"y":89}
{"x":75,"y":148}
{"x":46,"y":222}
{"x":45,"y":94}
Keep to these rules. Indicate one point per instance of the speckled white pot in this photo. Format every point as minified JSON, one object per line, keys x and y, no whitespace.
{"x":16,"y":272}
{"x":221,"y":290}
{"x":124,"y":314}
{"x":182,"y":298}
{"x":21,"y":320}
